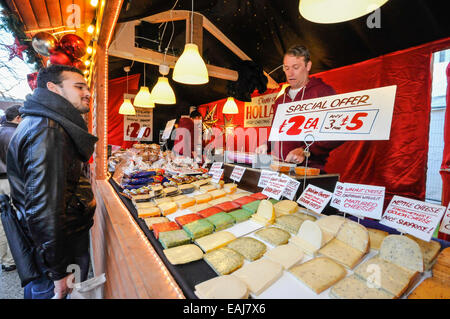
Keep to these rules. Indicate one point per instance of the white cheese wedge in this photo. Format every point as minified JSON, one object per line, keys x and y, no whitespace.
{"x":286,"y":255}
{"x":265,"y":214}
{"x":402,"y":251}
{"x":354,"y":235}
{"x":331,"y":223}
{"x":183,"y":254}
{"x":215,"y":240}
{"x":222,"y":287}
{"x":308,"y":238}
{"x":285,"y":207}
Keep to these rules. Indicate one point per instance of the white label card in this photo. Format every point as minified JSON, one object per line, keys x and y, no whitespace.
{"x":265,"y":177}
{"x":336,"y":199}
{"x":314,"y":198}
{"x":363,"y":200}
{"x":216,"y":176}
{"x":237,"y":173}
{"x":413,"y":217}
{"x":275,"y":187}
{"x":445,"y":224}
{"x":291,"y":188}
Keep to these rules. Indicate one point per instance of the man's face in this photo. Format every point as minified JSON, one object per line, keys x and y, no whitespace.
{"x":296,"y":70}
{"x":74,"y":89}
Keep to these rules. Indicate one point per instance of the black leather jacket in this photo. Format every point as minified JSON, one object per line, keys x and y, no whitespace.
{"x":6,"y":131}
{"x":44,"y":168}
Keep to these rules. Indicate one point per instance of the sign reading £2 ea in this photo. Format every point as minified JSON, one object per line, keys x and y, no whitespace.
{"x":361,"y":115}
{"x":133,"y":126}
{"x":259,"y":112}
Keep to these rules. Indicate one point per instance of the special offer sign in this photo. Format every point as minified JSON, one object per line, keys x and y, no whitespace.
{"x":361,"y":115}
{"x":413,"y":217}
{"x":133,"y":124}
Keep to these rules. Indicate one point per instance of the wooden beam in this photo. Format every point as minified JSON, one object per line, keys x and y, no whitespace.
{"x":196,"y":32}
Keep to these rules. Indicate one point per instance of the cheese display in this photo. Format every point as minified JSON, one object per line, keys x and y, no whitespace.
{"x":144,"y":205}
{"x":173,"y":238}
{"x":150,"y":221}
{"x":305,"y":216}
{"x":148,"y":212}
{"x":186,"y":188}
{"x":218,"y":193}
{"x":265,"y":214}
{"x":240,"y":215}
{"x":308,"y":238}
{"x":251,"y":248}
{"x":228,"y":206}
{"x":430,"y":250}
{"x":222,"y":287}
{"x":319,"y":273}
{"x":199,"y":228}
{"x":183,"y":254}
{"x":186,"y":219}
{"x":252,"y":207}
{"x":259,"y":275}
{"x":402,"y":251}
{"x":273,"y":235}
{"x":230,"y":188}
{"x":207,"y":188}
{"x":243,"y":200}
{"x":185,"y":202}
{"x":290,"y":223}
{"x":224,"y":260}
{"x":199,"y":207}
{"x":221,"y":221}
{"x":202,"y":198}
{"x":331,"y":224}
{"x":286,"y":255}
{"x":168,"y":208}
{"x":162,"y":200}
{"x":219,"y":200}
{"x":209,"y":212}
{"x":215,"y":240}
{"x":431,"y":288}
{"x":376,"y":237}
{"x":163,"y":227}
{"x":285,"y":207}
{"x":352,"y":287}
{"x":178,"y":197}
{"x":342,"y":253}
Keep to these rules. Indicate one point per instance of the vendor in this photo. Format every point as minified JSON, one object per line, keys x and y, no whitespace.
{"x":187,"y":135}
{"x":296,"y":66}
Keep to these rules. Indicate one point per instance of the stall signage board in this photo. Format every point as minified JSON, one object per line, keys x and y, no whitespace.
{"x":363,"y":200}
{"x":275,"y":187}
{"x":132,"y":125}
{"x":413,"y":217}
{"x":259,"y":112}
{"x":361,"y":115}
{"x":336,"y":199}
{"x":237,"y":173}
{"x":265,"y":177}
{"x":314,"y":198}
{"x":217,"y":174}
{"x":445,"y":224}
{"x":291,"y":188}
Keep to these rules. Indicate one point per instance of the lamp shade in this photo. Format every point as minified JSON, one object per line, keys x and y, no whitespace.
{"x":334,"y":11}
{"x":143,"y":98}
{"x":190,"y":67}
{"x":230,"y":107}
{"x":127,"y":108}
{"x":162,"y":93}
{"x":283,"y":88}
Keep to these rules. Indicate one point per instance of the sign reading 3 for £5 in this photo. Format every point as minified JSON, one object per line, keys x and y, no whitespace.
{"x":361,"y":115}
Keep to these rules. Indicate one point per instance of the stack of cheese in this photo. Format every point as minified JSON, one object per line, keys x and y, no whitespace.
{"x":430,"y":250}
{"x":385,"y":276}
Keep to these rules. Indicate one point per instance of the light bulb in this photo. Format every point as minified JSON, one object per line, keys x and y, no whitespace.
{"x":127,"y":108}
{"x":143,"y":98}
{"x":230,"y":107}
{"x":190,"y":67}
{"x":162,"y":93}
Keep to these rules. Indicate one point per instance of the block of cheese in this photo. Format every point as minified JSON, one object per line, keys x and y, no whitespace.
{"x":209,"y":212}
{"x":352,"y":287}
{"x":198,"y":207}
{"x":331,"y":224}
{"x":308,"y":238}
{"x":265,"y":214}
{"x":202,"y":198}
{"x":402,"y":251}
{"x":441,"y":268}
{"x":309,"y":171}
{"x":240,"y":215}
{"x":185,"y":202}
{"x":218,"y":193}
{"x":228,"y":206}
{"x":163,"y":200}
{"x":431,"y":288}
{"x":224,"y":260}
{"x":285,"y":207}
{"x":230,"y":188}
{"x":168,"y":208}
{"x":286,"y":255}
{"x":392,"y":278}
{"x":430,"y":250}
{"x":218,"y":201}
{"x":273,"y":235}
{"x":199,"y":183}
{"x":259,"y":196}
{"x":444,"y":257}
{"x":187,"y":218}
{"x":235,"y":195}
{"x":250,"y":248}
{"x":173,"y":238}
{"x":342,"y":253}
{"x":290,"y":223}
{"x":163,"y":227}
{"x":259,"y":275}
{"x":354,"y":235}
{"x":183,"y":254}
{"x":319,"y":273}
{"x":186,"y":188}
{"x":148,"y":212}
{"x":144,"y":205}
{"x":150,"y":221}
{"x":207,"y":188}
{"x":222,"y":287}
{"x":252,"y":207}
{"x":376,"y":237}
{"x":178,"y":197}
{"x":199,"y":228}
{"x":215,"y":240}
{"x":243,"y":200}
{"x":221,"y":221}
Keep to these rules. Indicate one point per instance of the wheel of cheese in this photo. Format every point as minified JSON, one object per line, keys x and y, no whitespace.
{"x":402,"y":251}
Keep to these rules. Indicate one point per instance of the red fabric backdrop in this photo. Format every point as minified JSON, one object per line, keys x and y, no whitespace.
{"x":116,"y":89}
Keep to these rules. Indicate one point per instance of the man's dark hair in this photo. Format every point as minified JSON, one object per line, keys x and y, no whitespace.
{"x":195,"y":113}
{"x":299,"y":51}
{"x":12,"y":112}
{"x":53,"y":74}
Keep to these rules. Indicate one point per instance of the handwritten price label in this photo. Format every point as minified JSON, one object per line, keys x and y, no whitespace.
{"x":363,"y":200}
{"x":265,"y":177}
{"x":275,"y":187}
{"x":237,"y":173}
{"x":336,"y":199}
{"x":413,"y":217}
{"x":314,"y":198}
{"x":291,"y":188}
{"x":216,"y":176}
{"x":445,"y":224}
{"x":139,"y":126}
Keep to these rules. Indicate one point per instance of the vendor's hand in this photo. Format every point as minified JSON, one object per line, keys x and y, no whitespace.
{"x":62,"y":286}
{"x":296,"y":156}
{"x":262,"y":149}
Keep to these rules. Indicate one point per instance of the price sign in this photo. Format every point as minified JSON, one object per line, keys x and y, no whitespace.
{"x":361,"y":115}
{"x":275,"y":187}
{"x":237,"y":173}
{"x":291,"y":188}
{"x":445,"y":224}
{"x":217,"y":174}
{"x":168,"y":129}
{"x":133,"y":126}
{"x":314,"y":198}
{"x":363,"y":200}
{"x":265,"y":177}
{"x":336,"y":199}
{"x":216,"y":165}
{"x":413,"y":217}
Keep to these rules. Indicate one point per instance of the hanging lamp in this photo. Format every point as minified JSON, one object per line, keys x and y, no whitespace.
{"x":230,"y":107}
{"x":334,"y":11}
{"x":143,"y":98}
{"x":127,"y":108}
{"x":162,"y":92}
{"x":190,"y":67}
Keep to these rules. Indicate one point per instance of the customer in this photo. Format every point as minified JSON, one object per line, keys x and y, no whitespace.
{"x":44,"y":163}
{"x":12,"y":117}
{"x":296,"y":66}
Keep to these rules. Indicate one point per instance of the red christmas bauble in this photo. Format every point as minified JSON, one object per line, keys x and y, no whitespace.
{"x":59,"y":57}
{"x":32,"y":80}
{"x":79,"y":64}
{"x":73,"y":45}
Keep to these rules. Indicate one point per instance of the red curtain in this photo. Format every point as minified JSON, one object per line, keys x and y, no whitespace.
{"x":116,"y":89}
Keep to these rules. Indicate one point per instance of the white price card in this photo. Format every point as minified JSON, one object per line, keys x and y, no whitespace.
{"x":291,"y":188}
{"x":314,"y":198}
{"x":132,"y":125}
{"x":413,"y":217}
{"x":265,"y":177}
{"x":445,"y":224}
{"x":216,"y":165}
{"x":336,"y":199}
{"x":361,"y":115}
{"x":168,"y":129}
{"x":216,"y":176}
{"x":275,"y":187}
{"x":363,"y":200}
{"x":237,"y":173}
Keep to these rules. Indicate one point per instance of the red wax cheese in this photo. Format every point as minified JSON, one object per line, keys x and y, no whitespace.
{"x":244,"y":200}
{"x":259,"y":196}
{"x":228,"y":206}
{"x":186,"y":219}
{"x":209,"y":212}
{"x":163,"y":227}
